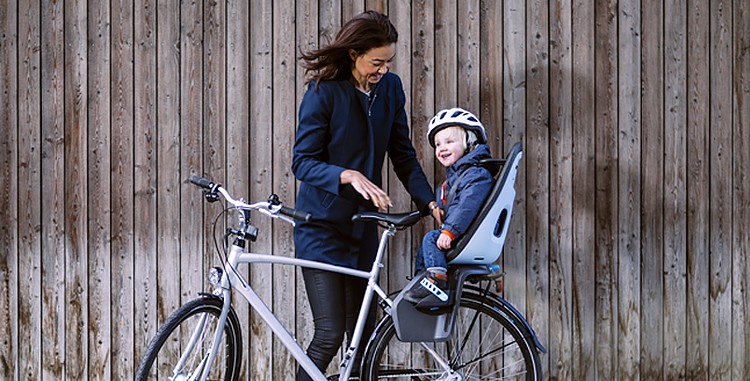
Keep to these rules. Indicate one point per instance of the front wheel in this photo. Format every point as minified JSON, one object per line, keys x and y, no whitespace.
{"x":181,"y":347}
{"x":487,"y":343}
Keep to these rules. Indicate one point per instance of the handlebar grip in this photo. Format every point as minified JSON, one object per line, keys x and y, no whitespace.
{"x":201,"y":182}
{"x":296,"y":214}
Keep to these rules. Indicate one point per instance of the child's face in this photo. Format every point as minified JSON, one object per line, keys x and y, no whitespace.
{"x":450,"y":144}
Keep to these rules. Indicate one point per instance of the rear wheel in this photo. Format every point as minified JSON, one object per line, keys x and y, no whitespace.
{"x":194,"y":322}
{"x":487,"y":343}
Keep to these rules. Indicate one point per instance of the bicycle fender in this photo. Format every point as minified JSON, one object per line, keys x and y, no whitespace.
{"x":513,"y":310}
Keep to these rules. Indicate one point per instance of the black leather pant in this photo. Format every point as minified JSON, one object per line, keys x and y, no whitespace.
{"x":335,"y":300}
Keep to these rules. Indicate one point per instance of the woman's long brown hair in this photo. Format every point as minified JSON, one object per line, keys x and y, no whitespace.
{"x":363,"y":32}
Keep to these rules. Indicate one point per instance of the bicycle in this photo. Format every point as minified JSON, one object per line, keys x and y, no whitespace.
{"x":476,"y":335}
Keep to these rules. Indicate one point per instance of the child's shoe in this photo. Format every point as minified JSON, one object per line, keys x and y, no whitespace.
{"x":435,"y":282}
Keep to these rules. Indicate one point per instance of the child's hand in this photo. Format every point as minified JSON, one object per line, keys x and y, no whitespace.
{"x":444,"y":241}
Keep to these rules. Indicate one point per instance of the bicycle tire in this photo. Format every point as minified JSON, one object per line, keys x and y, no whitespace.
{"x":177,"y":330}
{"x":499,"y":347}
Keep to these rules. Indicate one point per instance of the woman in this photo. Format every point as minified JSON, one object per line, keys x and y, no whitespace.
{"x":351,"y":115}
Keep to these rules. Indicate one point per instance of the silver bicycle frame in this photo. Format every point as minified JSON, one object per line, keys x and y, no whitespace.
{"x":232,"y":278}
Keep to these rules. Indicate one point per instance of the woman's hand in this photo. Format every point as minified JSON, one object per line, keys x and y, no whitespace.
{"x":366,"y":188}
{"x":436,"y":212}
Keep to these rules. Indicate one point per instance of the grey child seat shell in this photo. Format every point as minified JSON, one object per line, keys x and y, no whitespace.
{"x":484,"y":239}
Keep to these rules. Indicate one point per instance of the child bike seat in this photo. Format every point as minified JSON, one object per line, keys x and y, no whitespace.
{"x":485,"y":237}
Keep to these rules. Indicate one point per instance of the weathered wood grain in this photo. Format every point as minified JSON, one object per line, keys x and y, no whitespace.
{"x":560,"y":337}
{"x":261,"y":172}
{"x":76,"y":218}
{"x":721,"y":214}
{"x":629,"y":191}
{"x":652,"y":189}
{"x":169,"y":178}
{"x":697,"y":230}
{"x":675,"y":193}
{"x":583,"y":367}
{"x":99,"y":192}
{"x":52,"y":192}
{"x":8,"y":203}
{"x":627,"y":252}
{"x":29,"y":193}
{"x":123,"y":361}
{"x":537,"y":158}
{"x":741,"y":191}
{"x":145,"y":173}
{"x":283,"y":110}
{"x":606,"y":102}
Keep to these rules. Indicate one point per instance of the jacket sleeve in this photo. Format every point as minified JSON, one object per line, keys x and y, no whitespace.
{"x":309,"y":159}
{"x":404,"y":158}
{"x":470,"y":197}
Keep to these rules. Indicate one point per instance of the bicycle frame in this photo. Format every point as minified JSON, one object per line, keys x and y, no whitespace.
{"x":232,"y":279}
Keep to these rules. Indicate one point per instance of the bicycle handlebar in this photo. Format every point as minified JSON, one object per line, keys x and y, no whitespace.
{"x":263,"y":206}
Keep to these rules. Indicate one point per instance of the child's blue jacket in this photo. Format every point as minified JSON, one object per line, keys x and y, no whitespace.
{"x":470,"y":192}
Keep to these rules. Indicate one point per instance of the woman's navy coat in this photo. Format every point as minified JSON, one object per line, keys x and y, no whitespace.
{"x":342,"y":128}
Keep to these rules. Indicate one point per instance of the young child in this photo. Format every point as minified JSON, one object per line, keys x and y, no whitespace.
{"x":460,"y":143}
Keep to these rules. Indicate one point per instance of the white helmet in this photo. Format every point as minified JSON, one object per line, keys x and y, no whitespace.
{"x":455,"y":117}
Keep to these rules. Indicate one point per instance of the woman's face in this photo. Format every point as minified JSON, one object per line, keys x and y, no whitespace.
{"x":370,"y":67}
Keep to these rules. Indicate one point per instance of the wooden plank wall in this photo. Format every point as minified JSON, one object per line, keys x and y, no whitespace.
{"x":628,"y":250}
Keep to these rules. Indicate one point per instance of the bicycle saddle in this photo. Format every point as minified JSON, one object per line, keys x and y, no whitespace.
{"x":396,"y":219}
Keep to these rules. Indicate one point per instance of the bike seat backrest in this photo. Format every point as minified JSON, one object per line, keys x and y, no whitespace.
{"x":485,"y":237}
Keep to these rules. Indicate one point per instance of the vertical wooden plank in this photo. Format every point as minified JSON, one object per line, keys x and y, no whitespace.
{"x":350,"y":9}
{"x":192,"y":68}
{"x":538,"y":170}
{"x":720,"y":157}
{"x":468,"y":55}
{"x":446,"y":61}
{"x":583,"y":189}
{"x":400,"y":249}
{"x":284,"y":110}
{"x":741,"y":195}
{"x":697,"y":229}
{"x":144,"y":176}
{"x":491,"y":67}
{"x":76,"y":260}
{"x":606,"y":111}
{"x":675,"y":202}
{"x":423,"y":108}
{"x":316,"y":25}
{"x":629,"y":192}
{"x":29,"y":186}
{"x":329,"y":22}
{"x":53,"y":194}
{"x":99,"y":192}
{"x":445,"y":88}
{"x":261,"y":129}
{"x":422,"y":101}
{"x":122,"y":195}
{"x":560,"y":339}
{"x":514,"y":130}
{"x":652,"y":189}
{"x":238,"y":130}
{"x":376,"y":5}
{"x":168,"y":150}
{"x":8,"y":203}
{"x":214,"y":114}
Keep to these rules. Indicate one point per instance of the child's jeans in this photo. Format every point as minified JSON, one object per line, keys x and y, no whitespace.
{"x":429,"y":255}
